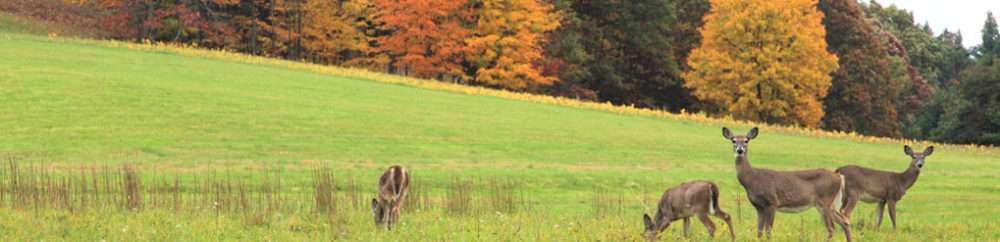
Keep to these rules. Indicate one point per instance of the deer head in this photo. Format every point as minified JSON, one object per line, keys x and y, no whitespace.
{"x":741,"y":143}
{"x":918,"y":158}
{"x":650,"y":232}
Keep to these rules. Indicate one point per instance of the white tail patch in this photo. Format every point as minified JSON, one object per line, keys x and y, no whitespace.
{"x":839,"y":200}
{"x":712,"y":202}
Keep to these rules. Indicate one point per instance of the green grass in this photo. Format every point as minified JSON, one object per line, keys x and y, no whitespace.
{"x":66,"y":104}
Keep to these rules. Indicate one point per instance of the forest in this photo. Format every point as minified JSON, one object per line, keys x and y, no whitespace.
{"x":839,"y":65}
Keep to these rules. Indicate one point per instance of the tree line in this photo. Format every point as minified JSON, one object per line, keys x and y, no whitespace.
{"x":833,"y":64}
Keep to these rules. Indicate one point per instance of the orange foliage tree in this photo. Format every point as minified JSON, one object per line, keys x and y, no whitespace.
{"x":507,"y":42}
{"x":425,"y":36}
{"x":763,"y":60}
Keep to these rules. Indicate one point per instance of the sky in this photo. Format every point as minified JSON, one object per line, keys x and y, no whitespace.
{"x":966,"y":15}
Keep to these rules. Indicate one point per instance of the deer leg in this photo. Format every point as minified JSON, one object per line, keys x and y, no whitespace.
{"x":729,"y":222}
{"x":850,"y":200}
{"x":708,"y":224}
{"x":878,"y":214}
{"x":892,"y":213}
{"x":760,"y":221}
{"x":827,"y":221}
{"x":769,"y":221}
{"x":687,"y":226}
{"x":844,"y":223}
{"x":395,"y":215}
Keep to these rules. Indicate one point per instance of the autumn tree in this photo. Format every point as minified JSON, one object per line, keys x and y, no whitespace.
{"x":425,"y":37}
{"x":125,"y":19}
{"x":330,"y":31}
{"x":181,"y":21}
{"x":506,"y":44}
{"x":861,"y":97}
{"x":917,"y":60}
{"x":763,"y":60}
{"x":908,"y":40}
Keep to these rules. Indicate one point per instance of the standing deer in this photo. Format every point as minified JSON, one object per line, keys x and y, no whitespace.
{"x":883,"y":187}
{"x":392,"y":188}
{"x":699,"y":198}
{"x":788,"y":191}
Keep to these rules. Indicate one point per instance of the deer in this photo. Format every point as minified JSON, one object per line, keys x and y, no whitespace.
{"x":392,"y":188}
{"x":882,"y":187}
{"x":771,"y":191}
{"x":694,"y":198}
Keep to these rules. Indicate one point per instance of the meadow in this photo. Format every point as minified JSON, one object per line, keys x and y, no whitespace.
{"x":225,"y":147}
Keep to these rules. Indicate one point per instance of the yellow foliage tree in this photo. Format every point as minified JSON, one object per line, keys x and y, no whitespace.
{"x":508,"y":40}
{"x":763,"y":60}
{"x":330,"y":30}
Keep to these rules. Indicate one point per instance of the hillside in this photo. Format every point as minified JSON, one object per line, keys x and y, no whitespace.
{"x":71,"y":103}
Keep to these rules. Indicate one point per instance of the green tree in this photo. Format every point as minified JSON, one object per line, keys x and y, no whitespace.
{"x":976,"y":115}
{"x":685,"y":35}
{"x":628,"y":53}
{"x":991,"y":38}
{"x":954,"y":57}
{"x":566,"y":56}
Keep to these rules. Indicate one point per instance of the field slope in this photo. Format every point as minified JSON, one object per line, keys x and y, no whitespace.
{"x":67,"y":104}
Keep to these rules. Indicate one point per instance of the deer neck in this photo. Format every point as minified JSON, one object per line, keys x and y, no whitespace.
{"x":909,"y":177}
{"x":742,"y":164}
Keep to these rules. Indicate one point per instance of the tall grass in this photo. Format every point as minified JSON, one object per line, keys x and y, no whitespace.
{"x":458,"y":200}
{"x":255,"y":197}
{"x":605,"y":203}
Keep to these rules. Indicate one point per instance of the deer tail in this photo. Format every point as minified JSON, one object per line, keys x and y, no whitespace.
{"x":714,"y":206}
{"x":839,"y":199}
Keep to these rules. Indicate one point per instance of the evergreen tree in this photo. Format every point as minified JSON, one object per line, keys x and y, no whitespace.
{"x":975,"y":116}
{"x":633,"y":59}
{"x":991,"y":37}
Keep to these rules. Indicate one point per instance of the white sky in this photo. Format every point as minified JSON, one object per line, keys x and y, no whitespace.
{"x":966,"y":15}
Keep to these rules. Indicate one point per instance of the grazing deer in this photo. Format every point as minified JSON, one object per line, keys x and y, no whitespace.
{"x":392,"y":189}
{"x":788,"y":191}
{"x":695,"y":198}
{"x":883,"y":187}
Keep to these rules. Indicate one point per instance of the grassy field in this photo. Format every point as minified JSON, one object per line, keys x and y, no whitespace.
{"x":567,"y":173}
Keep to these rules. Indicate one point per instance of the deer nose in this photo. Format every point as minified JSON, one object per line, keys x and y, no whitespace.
{"x":739,"y":151}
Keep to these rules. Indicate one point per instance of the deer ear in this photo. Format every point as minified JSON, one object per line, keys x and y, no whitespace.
{"x":907,"y":150}
{"x":647,"y":221}
{"x":726,"y":133}
{"x":374,"y":204}
{"x":752,"y":134}
{"x":929,"y":150}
